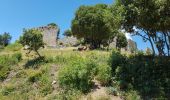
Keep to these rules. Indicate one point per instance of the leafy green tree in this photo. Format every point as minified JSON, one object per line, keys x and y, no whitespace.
{"x":151,"y":18}
{"x":32,"y":38}
{"x":53,"y":25}
{"x":95,"y":24}
{"x":121,"y":41}
{"x":1,"y":40}
{"x":5,"y":39}
{"x":68,"y":33}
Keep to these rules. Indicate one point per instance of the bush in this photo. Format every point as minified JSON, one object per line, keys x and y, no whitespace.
{"x":7,"y":89}
{"x":78,"y":75}
{"x":103,"y":74}
{"x":145,"y":74}
{"x":4,"y":72}
{"x":7,"y":60}
{"x":112,"y":91}
{"x":116,"y":59}
{"x":34,"y":76}
{"x":17,"y":57}
{"x":13,"y":47}
{"x":45,"y":82}
{"x":4,"y":60}
{"x":132,"y":95}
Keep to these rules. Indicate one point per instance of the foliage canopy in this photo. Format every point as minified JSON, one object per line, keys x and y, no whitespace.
{"x":32,"y":38}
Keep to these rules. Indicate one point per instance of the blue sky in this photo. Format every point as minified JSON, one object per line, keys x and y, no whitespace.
{"x":18,"y":14}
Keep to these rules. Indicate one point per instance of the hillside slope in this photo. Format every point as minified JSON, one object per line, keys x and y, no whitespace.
{"x":37,"y":78}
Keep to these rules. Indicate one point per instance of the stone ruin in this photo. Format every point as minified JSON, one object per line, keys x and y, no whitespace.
{"x":49,"y":35}
{"x":132,"y":46}
{"x":71,"y":41}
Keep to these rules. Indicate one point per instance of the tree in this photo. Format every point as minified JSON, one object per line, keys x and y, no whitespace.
{"x":53,"y":25}
{"x":95,"y":24}
{"x":152,"y":18}
{"x":68,"y":33}
{"x":32,"y":38}
{"x":1,"y":40}
{"x":121,"y":41}
{"x":5,"y":39}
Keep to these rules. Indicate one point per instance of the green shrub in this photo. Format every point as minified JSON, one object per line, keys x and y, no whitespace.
{"x":77,"y":75}
{"x":34,"y":76}
{"x":7,"y":89}
{"x":46,"y":89}
{"x":45,"y":83}
{"x":116,"y":59}
{"x":145,"y":74}
{"x":132,"y":95}
{"x":4,"y":60}
{"x":112,"y":91}
{"x":13,"y":47}
{"x":4,"y":70}
{"x":17,"y":56}
{"x":103,"y":74}
{"x":8,"y":60}
{"x":71,"y":94}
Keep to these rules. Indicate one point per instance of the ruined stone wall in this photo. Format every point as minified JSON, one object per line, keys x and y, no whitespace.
{"x":131,"y":46}
{"x":49,"y":35}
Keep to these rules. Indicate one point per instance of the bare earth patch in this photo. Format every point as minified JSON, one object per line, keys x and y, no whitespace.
{"x":99,"y":93}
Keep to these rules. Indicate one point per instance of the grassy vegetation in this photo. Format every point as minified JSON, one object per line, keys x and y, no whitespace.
{"x":30,"y":82}
{"x":72,"y":75}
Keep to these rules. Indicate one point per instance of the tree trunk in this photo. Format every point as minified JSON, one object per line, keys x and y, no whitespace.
{"x":165,"y":36}
{"x":38,"y":53}
{"x":152,"y":46}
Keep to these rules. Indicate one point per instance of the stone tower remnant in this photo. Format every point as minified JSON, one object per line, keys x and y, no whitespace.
{"x":50,"y":35}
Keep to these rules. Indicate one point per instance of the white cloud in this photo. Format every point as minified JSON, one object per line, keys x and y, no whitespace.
{"x":128,"y":35}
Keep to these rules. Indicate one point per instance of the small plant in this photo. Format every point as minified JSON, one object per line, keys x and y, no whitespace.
{"x":45,"y":82}
{"x":17,"y":56}
{"x":7,"y":60}
{"x":34,"y":76}
{"x":14,"y":47}
{"x":4,"y":70}
{"x":103,"y":74}
{"x":77,"y":75}
{"x":70,"y":94}
{"x":132,"y":95}
{"x":112,"y":91}
{"x":7,"y":89}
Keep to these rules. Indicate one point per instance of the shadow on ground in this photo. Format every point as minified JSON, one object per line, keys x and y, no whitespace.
{"x":34,"y":63}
